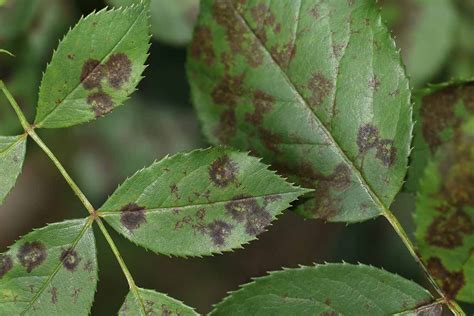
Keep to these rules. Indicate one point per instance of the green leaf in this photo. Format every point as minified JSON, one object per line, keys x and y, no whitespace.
{"x":153,"y":303}
{"x":425,"y":30}
{"x":96,"y":67}
{"x":204,"y":202}
{"x":330,"y":289}
{"x":445,"y":215}
{"x":439,"y":110}
{"x":12,"y":155}
{"x":172,"y":22}
{"x":50,"y":271}
{"x":315,"y":88}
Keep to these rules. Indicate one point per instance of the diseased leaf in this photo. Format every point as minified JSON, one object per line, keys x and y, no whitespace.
{"x":96,"y":67}
{"x":12,"y":155}
{"x":315,"y":88}
{"x":153,"y":303}
{"x":439,"y":110}
{"x":425,"y":30}
{"x":172,"y":22}
{"x":50,"y":271}
{"x":195,"y":204}
{"x":330,"y":289}
{"x":445,"y":215}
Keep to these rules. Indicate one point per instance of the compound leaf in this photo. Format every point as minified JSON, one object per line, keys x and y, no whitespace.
{"x":439,"y":110}
{"x":12,"y":155}
{"x":172,"y":22}
{"x":96,"y":67}
{"x":153,"y":303}
{"x":426,"y":31}
{"x":330,"y":289}
{"x":203,"y":202}
{"x":445,"y":215}
{"x":50,"y":271}
{"x":315,"y":88}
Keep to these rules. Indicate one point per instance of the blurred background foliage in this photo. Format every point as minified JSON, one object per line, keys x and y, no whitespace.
{"x":436,"y":41}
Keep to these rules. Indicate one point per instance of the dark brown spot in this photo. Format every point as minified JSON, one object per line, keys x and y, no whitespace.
{"x":332,"y":313}
{"x":89,"y":266}
{"x":237,"y":34}
{"x":270,"y":140}
{"x":386,"y":152}
{"x":451,"y":282}
{"x":119,"y":69}
{"x":54,"y":295}
{"x":6,"y":264}
{"x":201,"y":47}
{"x":256,"y":217}
{"x":448,"y":232}
{"x":263,"y":103}
{"x":283,"y":54}
{"x":219,"y":231}
{"x":92,"y":74}
{"x":174,"y":191}
{"x":320,"y":88}
{"x":341,"y":177}
{"x":367,"y":137}
{"x":101,"y":103}
{"x":75,"y":295}
{"x":132,"y":216}
{"x":71,"y":56}
{"x":223,"y":171}
{"x":70,"y":259}
{"x":226,"y":93}
{"x":32,"y":255}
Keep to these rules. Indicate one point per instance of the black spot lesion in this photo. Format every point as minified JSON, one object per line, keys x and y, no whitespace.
{"x":6,"y":264}
{"x":31,"y":255}
{"x":70,"y":259}
{"x":223,"y":171}
{"x":132,"y":216}
{"x":101,"y":103}
{"x":119,"y":70}
{"x":244,"y":209}
{"x":116,"y":71}
{"x":219,"y":231}
{"x":368,"y":137}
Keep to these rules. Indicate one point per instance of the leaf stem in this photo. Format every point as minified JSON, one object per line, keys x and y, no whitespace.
{"x":453,"y":306}
{"x":29,"y":129}
{"x":131,"y":283}
{"x":16,"y":107}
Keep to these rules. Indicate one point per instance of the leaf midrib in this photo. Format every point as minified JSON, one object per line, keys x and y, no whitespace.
{"x":190,"y":206}
{"x":39,"y":124}
{"x":56,"y":270}
{"x":364,"y":183}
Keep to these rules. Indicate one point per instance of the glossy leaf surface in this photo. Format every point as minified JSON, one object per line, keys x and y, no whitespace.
{"x":96,"y":67}
{"x":330,"y":289}
{"x":203,"y":202}
{"x":315,"y":88}
{"x":50,"y":271}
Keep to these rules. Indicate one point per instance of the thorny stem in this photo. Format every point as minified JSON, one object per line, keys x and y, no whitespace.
{"x":453,"y":306}
{"x":29,"y":129}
